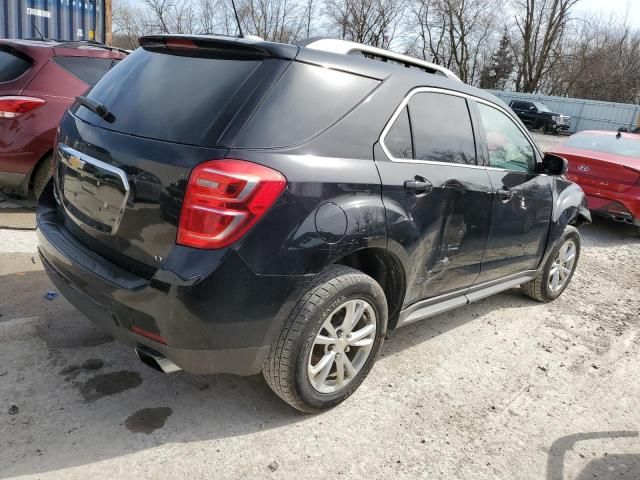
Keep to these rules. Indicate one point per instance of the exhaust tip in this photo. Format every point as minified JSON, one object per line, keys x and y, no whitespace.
{"x":156,"y":360}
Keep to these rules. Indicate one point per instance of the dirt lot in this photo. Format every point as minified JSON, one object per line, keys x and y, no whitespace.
{"x":503,"y":389}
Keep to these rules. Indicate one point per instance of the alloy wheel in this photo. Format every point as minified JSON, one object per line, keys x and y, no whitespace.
{"x":342,"y":346}
{"x":562,"y":266}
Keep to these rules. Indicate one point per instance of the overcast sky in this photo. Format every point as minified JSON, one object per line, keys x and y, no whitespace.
{"x":615,"y":7}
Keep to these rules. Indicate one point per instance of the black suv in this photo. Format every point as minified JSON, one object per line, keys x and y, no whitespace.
{"x":538,"y":116}
{"x":298,"y":202}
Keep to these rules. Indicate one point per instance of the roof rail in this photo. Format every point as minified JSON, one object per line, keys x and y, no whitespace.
{"x":346,"y":47}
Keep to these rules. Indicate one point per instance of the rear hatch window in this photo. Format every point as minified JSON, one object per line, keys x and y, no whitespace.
{"x":12,"y":64}
{"x":165,"y":96}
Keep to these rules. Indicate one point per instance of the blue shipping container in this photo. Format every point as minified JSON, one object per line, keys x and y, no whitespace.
{"x":57,"y":19}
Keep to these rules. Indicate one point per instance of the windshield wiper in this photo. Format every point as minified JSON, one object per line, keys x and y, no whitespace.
{"x":97,"y":108}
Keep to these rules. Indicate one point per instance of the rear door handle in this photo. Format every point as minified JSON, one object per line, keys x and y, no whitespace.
{"x":504,"y":194}
{"x":419,"y":186}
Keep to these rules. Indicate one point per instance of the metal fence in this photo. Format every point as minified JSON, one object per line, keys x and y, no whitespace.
{"x":585,"y":114}
{"x":59,"y":19}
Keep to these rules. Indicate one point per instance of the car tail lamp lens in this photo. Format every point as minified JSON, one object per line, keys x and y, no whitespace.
{"x":180,"y":43}
{"x":224,"y":199}
{"x":12,"y":107}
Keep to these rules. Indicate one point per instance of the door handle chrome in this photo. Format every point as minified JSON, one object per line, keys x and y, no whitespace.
{"x":504,"y":194}
{"x":418,"y":186}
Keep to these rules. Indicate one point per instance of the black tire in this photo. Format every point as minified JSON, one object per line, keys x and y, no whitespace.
{"x":549,"y":129}
{"x":42,"y":175}
{"x":539,"y":288}
{"x":286,"y":367}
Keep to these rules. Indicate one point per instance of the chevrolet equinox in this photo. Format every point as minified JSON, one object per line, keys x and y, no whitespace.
{"x":234,"y":205}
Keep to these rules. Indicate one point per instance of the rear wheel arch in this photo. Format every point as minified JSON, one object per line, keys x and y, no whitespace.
{"x":386,"y":269}
{"x":39,"y":176}
{"x":288,"y":368}
{"x":27,"y":183}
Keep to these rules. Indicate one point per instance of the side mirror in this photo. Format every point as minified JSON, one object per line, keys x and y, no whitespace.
{"x":554,"y":165}
{"x":532,"y":108}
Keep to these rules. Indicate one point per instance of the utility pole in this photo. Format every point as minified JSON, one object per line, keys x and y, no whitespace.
{"x":108,"y":10}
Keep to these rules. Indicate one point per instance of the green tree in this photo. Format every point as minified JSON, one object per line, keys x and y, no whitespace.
{"x":497,"y":72}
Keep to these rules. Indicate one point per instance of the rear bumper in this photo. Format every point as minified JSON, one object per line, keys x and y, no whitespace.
{"x":622,"y":207}
{"x":213,"y":314}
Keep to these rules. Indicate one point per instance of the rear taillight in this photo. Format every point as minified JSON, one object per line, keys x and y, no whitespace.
{"x":12,"y":107}
{"x":224,"y":199}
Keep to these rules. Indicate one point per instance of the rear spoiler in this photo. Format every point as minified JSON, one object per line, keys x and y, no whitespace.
{"x":220,"y":45}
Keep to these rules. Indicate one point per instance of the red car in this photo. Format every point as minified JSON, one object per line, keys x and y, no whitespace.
{"x":607,"y":167}
{"x":38,"y":82}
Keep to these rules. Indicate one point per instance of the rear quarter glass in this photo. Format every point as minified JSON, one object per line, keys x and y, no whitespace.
{"x":12,"y":65}
{"x":87,"y":69}
{"x":166,"y":96}
{"x":307,"y":100}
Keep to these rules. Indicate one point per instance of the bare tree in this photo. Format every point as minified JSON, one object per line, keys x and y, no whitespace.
{"x":458,"y":34}
{"x":598,"y":62}
{"x":540,"y":26}
{"x":160,"y":10}
{"x":275,"y":20}
{"x":129,"y":23}
{"x":173,"y":16}
{"x":310,"y":10}
{"x":373,"y":22}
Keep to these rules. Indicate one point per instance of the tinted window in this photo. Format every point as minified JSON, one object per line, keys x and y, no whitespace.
{"x":398,"y":139}
{"x":508,"y":147}
{"x":12,"y":66}
{"x":306,"y":101}
{"x":87,"y":69}
{"x":521,"y":105}
{"x":442,"y":129}
{"x":542,"y":107}
{"x":606,"y":144}
{"x":167,"y":97}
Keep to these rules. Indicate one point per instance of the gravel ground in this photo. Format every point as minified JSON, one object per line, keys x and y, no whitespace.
{"x":502,"y":389}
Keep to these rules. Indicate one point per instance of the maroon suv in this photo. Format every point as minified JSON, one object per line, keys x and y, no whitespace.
{"x":38,"y":82}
